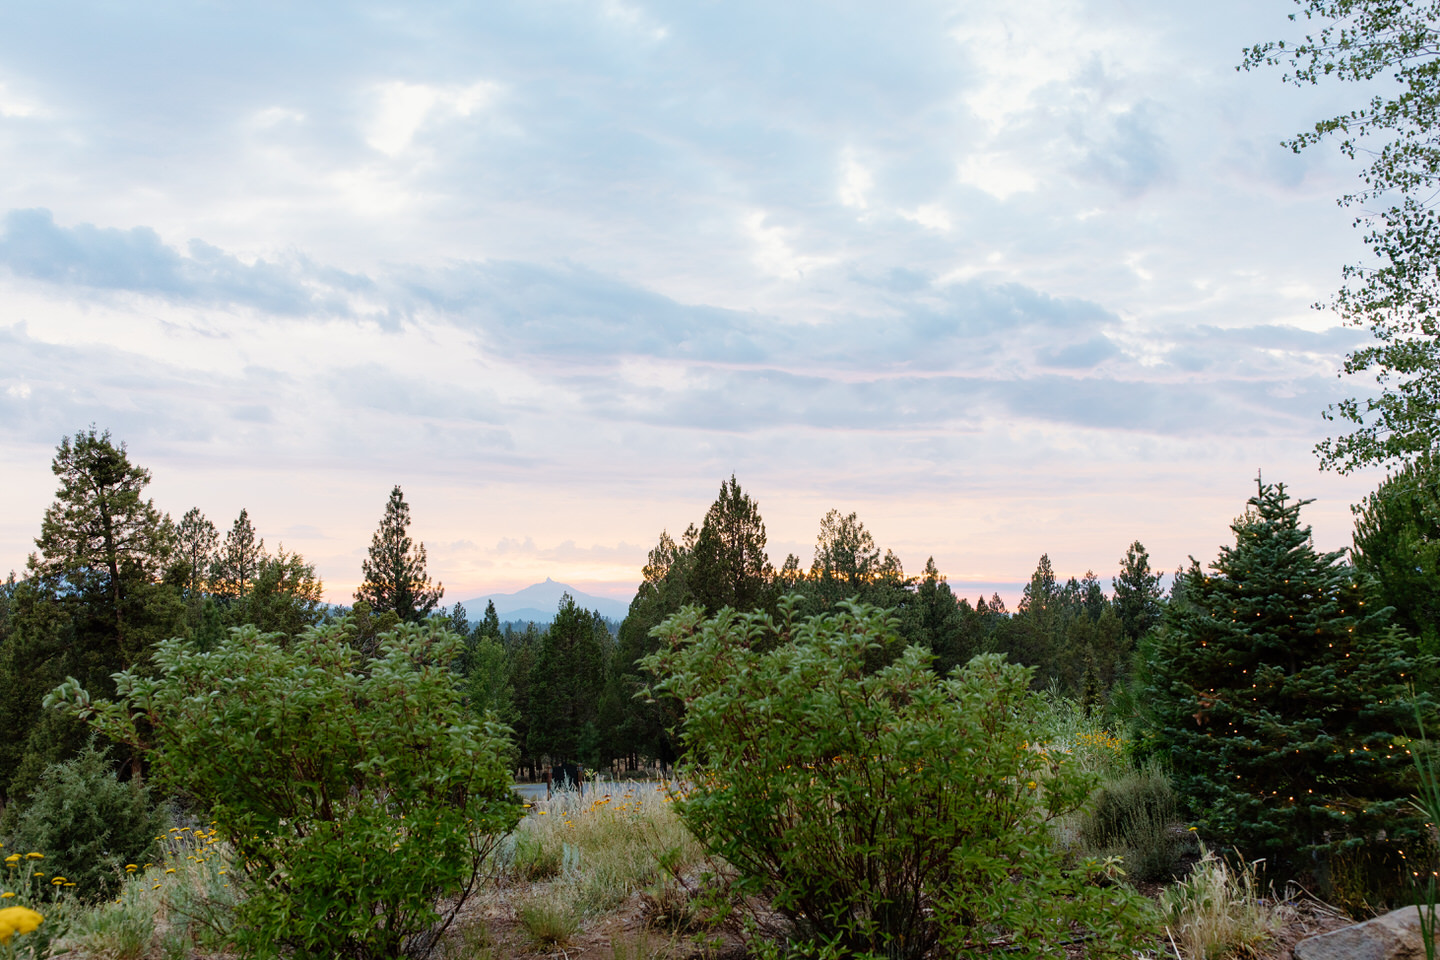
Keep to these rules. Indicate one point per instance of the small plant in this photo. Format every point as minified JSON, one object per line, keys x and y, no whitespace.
{"x":1221,"y":911}
{"x":1135,"y":817}
{"x":549,"y":922}
{"x":534,"y":860}
{"x":885,"y":812}
{"x":355,"y":794}
{"x":89,"y":823}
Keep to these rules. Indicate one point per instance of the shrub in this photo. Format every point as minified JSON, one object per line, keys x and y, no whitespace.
{"x":1135,"y":817}
{"x":883,"y":812}
{"x":88,"y":823}
{"x":354,"y":793}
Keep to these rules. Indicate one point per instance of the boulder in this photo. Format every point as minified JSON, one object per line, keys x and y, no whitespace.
{"x":1393,"y":936}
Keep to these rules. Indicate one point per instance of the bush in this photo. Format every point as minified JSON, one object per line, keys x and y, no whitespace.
{"x":354,"y":793}
{"x":1135,"y":817}
{"x":884,"y":813}
{"x":88,"y":824}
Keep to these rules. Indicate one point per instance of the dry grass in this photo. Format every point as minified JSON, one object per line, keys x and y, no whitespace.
{"x":1222,"y":911}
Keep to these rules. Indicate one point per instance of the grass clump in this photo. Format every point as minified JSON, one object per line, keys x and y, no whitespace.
{"x":597,"y":850}
{"x":549,"y":922}
{"x":1221,"y":911}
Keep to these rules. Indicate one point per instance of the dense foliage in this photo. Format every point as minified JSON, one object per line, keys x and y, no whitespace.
{"x":354,"y":793}
{"x":1397,"y":542}
{"x":885,"y":812}
{"x":89,"y":824}
{"x":1283,"y":699}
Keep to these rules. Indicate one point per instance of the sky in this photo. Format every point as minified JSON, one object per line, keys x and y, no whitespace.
{"x":1004,"y":279}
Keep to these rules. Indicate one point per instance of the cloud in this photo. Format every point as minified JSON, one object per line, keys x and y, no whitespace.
{"x":86,"y":257}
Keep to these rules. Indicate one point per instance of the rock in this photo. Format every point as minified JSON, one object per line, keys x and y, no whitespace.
{"x":1394,"y":936}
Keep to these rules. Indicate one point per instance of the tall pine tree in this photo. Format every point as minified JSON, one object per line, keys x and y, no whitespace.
{"x":729,"y":564}
{"x":93,"y":603}
{"x":1280,"y":695}
{"x":395,"y":580}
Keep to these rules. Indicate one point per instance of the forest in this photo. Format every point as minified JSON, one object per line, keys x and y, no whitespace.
{"x":1274,"y":699}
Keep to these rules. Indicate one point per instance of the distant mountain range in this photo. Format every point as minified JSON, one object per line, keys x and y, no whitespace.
{"x":539,"y":601}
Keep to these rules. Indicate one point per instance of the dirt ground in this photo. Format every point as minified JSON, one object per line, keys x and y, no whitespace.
{"x":628,"y":934}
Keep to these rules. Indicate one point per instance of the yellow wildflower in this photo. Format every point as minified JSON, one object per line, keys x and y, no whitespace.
{"x":34,"y":856}
{"x":6,"y":895}
{"x":15,"y":920}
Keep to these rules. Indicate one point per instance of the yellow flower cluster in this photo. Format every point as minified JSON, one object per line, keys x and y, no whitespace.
{"x":1103,"y":740}
{"x":15,"y":920}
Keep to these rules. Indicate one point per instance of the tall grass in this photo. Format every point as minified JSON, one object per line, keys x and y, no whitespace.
{"x":588,"y":854}
{"x":178,"y":907}
{"x":1222,"y":911}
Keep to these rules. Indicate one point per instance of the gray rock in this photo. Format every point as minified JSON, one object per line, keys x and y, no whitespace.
{"x":1394,"y":936}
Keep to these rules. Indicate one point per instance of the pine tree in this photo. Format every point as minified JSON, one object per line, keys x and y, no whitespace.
{"x":93,"y":603}
{"x":1280,"y":695}
{"x":1137,"y":592}
{"x":197,"y":541}
{"x":394,"y":572}
{"x":566,"y":683}
{"x":730,"y":567}
{"x":237,"y":563}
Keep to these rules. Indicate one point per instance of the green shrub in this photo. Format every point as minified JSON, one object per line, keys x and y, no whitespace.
{"x":886,"y":812}
{"x":354,"y":793}
{"x":1135,"y":817}
{"x":88,"y":824}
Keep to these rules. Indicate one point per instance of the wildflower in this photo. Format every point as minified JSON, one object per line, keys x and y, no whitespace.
{"x":15,"y":920}
{"x":131,"y":867}
{"x":34,"y":856}
{"x":170,"y":870}
{"x":6,"y":895}
{"x":13,"y":859}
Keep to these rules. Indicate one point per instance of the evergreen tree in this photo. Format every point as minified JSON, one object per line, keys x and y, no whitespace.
{"x":729,"y":564}
{"x":948,"y":627}
{"x":1280,"y":696}
{"x":394,"y":572}
{"x":197,"y":541}
{"x":1397,"y":541}
{"x":93,"y":603}
{"x":490,"y":626}
{"x":237,"y":563}
{"x":1031,"y":636}
{"x":566,"y":682}
{"x":1137,"y":592}
{"x":845,"y":551}
{"x":285,"y":596}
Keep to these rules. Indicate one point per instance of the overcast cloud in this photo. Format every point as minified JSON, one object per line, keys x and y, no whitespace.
{"x":1005,"y":282}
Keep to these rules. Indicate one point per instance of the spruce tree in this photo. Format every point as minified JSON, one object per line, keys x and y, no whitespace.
{"x":1280,"y":695}
{"x":395,"y":579}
